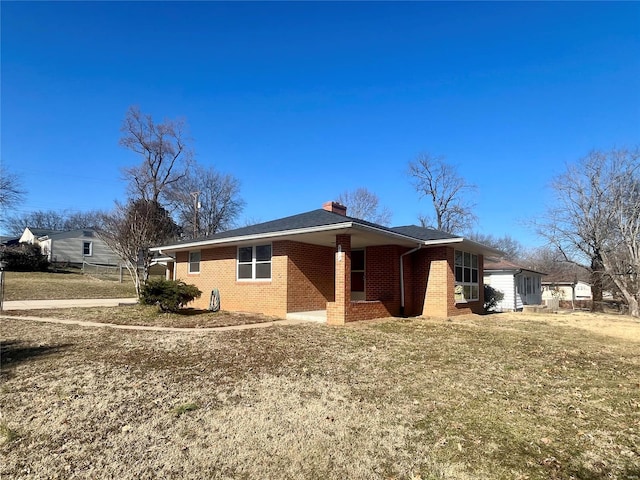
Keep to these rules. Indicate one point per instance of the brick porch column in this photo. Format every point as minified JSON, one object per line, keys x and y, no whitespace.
{"x":437,"y":296}
{"x":338,"y":310}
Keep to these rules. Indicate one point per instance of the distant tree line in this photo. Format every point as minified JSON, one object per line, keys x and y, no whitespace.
{"x":591,"y":227}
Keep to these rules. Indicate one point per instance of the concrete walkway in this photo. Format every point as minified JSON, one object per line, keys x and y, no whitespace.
{"x":71,"y":303}
{"x":114,"y":302}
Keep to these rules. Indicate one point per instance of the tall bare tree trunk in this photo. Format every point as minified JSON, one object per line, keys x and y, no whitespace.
{"x":597,"y":270}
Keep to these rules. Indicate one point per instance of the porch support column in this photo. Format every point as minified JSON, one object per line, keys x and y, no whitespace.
{"x":338,"y":311}
{"x":437,"y":296}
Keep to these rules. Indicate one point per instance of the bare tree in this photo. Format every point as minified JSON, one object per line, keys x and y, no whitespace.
{"x":42,"y":219}
{"x":595,"y":221}
{"x":79,"y":220}
{"x":365,"y":205}
{"x":52,"y":220}
{"x":621,"y":255}
{"x":205,"y":201}
{"x":512,"y":248}
{"x":131,"y":229}
{"x":11,"y":192}
{"x":548,"y":259}
{"x":164,"y":151}
{"x":448,"y":191}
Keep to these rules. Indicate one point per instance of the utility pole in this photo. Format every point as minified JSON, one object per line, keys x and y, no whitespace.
{"x":196,"y":206}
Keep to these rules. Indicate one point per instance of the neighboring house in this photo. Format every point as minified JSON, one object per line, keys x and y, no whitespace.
{"x":337,"y":267}
{"x":567,"y":290}
{"x":520,"y":286}
{"x":72,"y":247}
{"x":31,"y":235}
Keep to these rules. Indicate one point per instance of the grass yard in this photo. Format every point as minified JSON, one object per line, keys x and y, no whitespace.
{"x":148,"y":315}
{"x":63,"y":285}
{"x":497,"y":397}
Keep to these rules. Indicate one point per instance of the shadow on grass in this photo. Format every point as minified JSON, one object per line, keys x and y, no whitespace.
{"x":15,"y":352}
{"x":188,"y":312}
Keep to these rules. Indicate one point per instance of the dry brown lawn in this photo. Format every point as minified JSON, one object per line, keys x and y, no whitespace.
{"x":147,"y":315}
{"x":64,"y":285}
{"x":496,"y":397}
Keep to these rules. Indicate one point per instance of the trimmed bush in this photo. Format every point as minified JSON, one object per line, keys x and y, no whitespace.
{"x":491,"y":298}
{"x":24,"y":258}
{"x":168,"y":295}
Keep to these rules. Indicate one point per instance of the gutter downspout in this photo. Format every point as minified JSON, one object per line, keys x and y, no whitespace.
{"x":402,"y":276}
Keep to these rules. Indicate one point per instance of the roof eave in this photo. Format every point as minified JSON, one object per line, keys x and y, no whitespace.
{"x":325,"y":228}
{"x":408,"y":238}
{"x":249,"y":238}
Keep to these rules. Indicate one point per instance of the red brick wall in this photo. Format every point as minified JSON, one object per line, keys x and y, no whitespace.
{"x":382,"y":273}
{"x":430,"y":281}
{"x":310,"y":272}
{"x":303,"y":279}
{"x":366,"y":310}
{"x":417,"y":268}
{"x":218,"y":270}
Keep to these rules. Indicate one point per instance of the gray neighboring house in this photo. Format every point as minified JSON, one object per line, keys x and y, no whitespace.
{"x":71,"y":247}
{"x":521,"y":286}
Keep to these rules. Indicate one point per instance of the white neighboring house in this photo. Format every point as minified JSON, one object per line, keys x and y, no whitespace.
{"x":571,"y":291}
{"x":31,"y":235}
{"x":72,"y":247}
{"x":520,"y":286}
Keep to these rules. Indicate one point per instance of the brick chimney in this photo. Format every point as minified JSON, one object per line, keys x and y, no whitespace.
{"x":335,"y":207}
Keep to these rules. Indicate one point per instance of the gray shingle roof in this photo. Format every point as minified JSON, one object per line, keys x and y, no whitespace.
{"x":321,"y":217}
{"x":43,"y":232}
{"x":315,"y":218}
{"x":423,"y":233}
{"x":505,"y":265}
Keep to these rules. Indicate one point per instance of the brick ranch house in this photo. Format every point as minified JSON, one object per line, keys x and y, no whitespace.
{"x":335,"y":267}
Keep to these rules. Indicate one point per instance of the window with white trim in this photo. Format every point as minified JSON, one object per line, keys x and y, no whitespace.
{"x":87,"y":249}
{"x":194,"y":262}
{"x":466,"y":272}
{"x":254,"y":262}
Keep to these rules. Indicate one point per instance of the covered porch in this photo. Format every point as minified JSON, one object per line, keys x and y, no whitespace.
{"x":356,"y":276}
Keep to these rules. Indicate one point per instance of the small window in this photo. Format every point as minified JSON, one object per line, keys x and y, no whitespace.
{"x":245,"y":263}
{"x":254,"y":263}
{"x":87,"y":249}
{"x":194,"y":262}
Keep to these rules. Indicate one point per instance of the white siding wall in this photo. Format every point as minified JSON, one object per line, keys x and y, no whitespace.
{"x":504,"y":283}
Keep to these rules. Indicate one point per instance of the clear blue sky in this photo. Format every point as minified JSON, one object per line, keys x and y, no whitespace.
{"x":302,"y":101}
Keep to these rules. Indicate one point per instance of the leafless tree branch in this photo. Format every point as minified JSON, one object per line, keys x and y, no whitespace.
{"x":365,"y":205}
{"x":449,"y":193}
